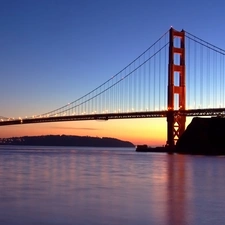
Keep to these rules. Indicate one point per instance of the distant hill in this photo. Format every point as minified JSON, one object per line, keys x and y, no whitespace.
{"x":65,"y":140}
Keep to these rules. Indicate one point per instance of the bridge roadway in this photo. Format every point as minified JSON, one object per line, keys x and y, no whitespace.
{"x":129,"y":115}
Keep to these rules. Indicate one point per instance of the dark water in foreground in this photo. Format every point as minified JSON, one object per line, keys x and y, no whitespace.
{"x":57,"y":185}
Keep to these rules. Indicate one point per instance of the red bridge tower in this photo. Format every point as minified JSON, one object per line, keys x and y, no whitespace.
{"x":176,"y":91}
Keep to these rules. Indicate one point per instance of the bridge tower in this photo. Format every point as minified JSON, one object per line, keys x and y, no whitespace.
{"x":176,"y":87}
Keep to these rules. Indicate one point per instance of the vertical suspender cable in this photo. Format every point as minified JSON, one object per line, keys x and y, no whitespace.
{"x":215,"y":78}
{"x":122,"y":90}
{"x":159,"y":74}
{"x":104,"y":97}
{"x":139,"y":85}
{"x":135,"y":93}
{"x":208,"y":78}
{"x":201,"y":76}
{"x":209,"y":74}
{"x":154,"y":81}
{"x":144,"y":86}
{"x":149,"y":84}
{"x":99,"y":97}
{"x":128,"y":91}
{"x":117,"y":93}
{"x":195,"y":76}
{"x":113,"y":96}
{"x":221,"y":83}
{"x":223,"y":74}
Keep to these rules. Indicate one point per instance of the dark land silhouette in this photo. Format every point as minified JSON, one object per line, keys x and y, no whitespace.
{"x":204,"y":136}
{"x":65,"y":140}
{"x":146,"y":148}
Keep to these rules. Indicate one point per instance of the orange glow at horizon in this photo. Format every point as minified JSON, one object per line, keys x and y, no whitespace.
{"x":138,"y":131}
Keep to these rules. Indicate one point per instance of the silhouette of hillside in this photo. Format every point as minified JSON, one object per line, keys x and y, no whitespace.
{"x":65,"y":140}
{"x":205,"y":136}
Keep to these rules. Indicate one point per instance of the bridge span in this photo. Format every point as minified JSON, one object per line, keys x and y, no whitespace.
{"x":179,"y":76}
{"x":111,"y":116}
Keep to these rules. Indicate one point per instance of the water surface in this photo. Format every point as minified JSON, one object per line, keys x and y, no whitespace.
{"x":71,"y":185}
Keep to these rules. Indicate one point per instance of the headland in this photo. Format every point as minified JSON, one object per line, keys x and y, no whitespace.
{"x":203,"y":136}
{"x":66,"y":140}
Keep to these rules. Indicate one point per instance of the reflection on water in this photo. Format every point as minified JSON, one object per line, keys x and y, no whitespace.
{"x":42,"y":185}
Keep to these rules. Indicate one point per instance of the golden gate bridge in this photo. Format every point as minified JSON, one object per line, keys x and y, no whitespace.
{"x":179,"y":75}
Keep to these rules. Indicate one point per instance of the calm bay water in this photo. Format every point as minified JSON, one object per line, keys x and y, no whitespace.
{"x":61,"y":185}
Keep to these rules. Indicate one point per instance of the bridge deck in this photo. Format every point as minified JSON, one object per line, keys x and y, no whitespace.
{"x":110,"y":116}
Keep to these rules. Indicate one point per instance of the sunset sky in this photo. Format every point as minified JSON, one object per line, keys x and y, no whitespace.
{"x":54,"y":51}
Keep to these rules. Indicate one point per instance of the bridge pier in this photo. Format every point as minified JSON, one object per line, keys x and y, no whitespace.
{"x":176,"y":91}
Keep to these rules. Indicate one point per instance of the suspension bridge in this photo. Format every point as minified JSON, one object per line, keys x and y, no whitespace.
{"x":179,"y":75}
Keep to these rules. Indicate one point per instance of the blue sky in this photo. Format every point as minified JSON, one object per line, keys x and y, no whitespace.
{"x":54,"y":51}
